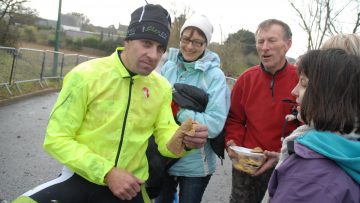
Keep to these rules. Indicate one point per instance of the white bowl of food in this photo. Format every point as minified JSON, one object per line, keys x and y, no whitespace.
{"x":248,"y":160}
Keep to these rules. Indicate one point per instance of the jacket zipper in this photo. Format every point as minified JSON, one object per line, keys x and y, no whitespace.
{"x":272,"y":85}
{"x":124,"y":123}
{"x":273,"y":77}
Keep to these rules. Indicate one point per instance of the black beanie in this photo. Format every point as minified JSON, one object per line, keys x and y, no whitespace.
{"x":150,"y":22}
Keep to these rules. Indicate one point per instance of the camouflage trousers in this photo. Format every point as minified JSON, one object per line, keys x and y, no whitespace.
{"x":248,"y":189}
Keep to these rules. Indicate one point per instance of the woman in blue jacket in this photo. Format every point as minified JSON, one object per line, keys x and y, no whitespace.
{"x":195,"y":65}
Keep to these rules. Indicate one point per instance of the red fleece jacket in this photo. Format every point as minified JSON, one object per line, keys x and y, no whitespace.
{"x":257,"y":112}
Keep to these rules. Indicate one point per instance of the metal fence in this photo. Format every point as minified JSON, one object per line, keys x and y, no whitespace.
{"x":230,"y":82}
{"x":31,"y":65}
{"x":23,"y":65}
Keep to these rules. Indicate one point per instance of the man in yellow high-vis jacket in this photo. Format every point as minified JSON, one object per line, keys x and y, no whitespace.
{"x":106,"y":112}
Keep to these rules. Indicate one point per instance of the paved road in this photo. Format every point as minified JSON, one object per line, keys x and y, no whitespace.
{"x":24,"y":164}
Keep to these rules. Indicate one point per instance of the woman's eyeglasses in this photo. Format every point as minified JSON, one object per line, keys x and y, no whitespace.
{"x":196,"y":43}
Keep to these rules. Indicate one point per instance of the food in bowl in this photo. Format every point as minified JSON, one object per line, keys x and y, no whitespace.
{"x":257,"y":150}
{"x":248,"y":160}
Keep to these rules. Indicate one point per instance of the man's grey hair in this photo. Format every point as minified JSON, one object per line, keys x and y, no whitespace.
{"x":267,"y":23}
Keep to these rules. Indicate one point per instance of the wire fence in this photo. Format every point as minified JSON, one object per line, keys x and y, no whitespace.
{"x":230,"y":82}
{"x":32,"y":66}
{"x":25,"y":65}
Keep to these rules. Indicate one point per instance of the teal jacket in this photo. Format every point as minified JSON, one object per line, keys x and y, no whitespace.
{"x":344,"y":152}
{"x":325,"y":167}
{"x":206,"y":74}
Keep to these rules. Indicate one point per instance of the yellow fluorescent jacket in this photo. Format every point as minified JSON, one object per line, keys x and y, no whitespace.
{"x":90,"y":118}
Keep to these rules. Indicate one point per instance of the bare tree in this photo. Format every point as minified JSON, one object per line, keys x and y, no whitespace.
{"x":11,"y":12}
{"x":357,"y":16}
{"x":177,"y":23}
{"x":8,"y":7}
{"x":324,"y":18}
{"x":84,"y":20}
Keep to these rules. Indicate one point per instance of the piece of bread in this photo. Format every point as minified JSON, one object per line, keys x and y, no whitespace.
{"x":253,"y":161}
{"x":176,"y":145}
{"x":246,"y":168}
{"x":188,"y":127}
{"x":257,"y":150}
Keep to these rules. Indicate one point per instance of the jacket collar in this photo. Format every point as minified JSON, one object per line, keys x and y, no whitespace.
{"x":277,"y":72}
{"x":119,"y":66}
{"x":334,"y":146}
{"x":207,"y":61}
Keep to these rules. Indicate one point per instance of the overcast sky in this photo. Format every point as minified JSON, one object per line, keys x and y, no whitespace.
{"x":227,"y":16}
